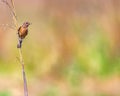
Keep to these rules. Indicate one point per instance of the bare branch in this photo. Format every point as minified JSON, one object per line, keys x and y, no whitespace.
{"x":23,"y":72}
{"x":12,"y":10}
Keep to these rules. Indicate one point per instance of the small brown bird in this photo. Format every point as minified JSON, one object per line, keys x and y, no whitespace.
{"x":22,"y":33}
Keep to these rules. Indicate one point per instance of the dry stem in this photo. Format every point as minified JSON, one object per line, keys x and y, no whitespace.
{"x":23,"y":72}
{"x":12,"y":9}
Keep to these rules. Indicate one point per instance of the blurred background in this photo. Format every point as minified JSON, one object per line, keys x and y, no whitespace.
{"x":72,"y":49}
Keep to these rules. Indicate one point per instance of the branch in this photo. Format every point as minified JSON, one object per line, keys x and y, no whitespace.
{"x":23,"y":72}
{"x":12,"y":9}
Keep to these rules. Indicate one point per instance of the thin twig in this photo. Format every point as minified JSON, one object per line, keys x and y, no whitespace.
{"x":12,"y":9}
{"x":23,"y":72}
{"x":14,"y":14}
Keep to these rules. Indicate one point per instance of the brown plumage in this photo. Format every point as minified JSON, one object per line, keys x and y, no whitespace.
{"x":22,"y":33}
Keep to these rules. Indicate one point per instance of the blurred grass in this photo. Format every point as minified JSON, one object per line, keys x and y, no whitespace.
{"x":51,"y":91}
{"x":52,"y":35}
{"x":5,"y":93}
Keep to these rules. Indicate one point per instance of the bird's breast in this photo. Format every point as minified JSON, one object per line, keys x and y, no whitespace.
{"x":22,"y":31}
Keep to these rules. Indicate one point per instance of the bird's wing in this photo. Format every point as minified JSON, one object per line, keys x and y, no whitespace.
{"x":19,"y":29}
{"x":26,"y":31}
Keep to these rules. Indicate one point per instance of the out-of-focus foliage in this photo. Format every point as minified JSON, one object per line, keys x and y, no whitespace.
{"x":5,"y":93}
{"x":72,"y":48}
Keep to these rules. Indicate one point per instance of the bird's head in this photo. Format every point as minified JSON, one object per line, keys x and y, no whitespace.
{"x":26,"y":24}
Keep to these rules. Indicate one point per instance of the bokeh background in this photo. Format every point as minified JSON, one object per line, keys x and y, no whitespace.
{"x":73,"y":48}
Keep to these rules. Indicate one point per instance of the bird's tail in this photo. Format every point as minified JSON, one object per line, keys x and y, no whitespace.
{"x":19,"y":45}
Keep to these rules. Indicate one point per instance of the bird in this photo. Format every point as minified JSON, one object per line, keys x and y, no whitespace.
{"x":22,"y":33}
